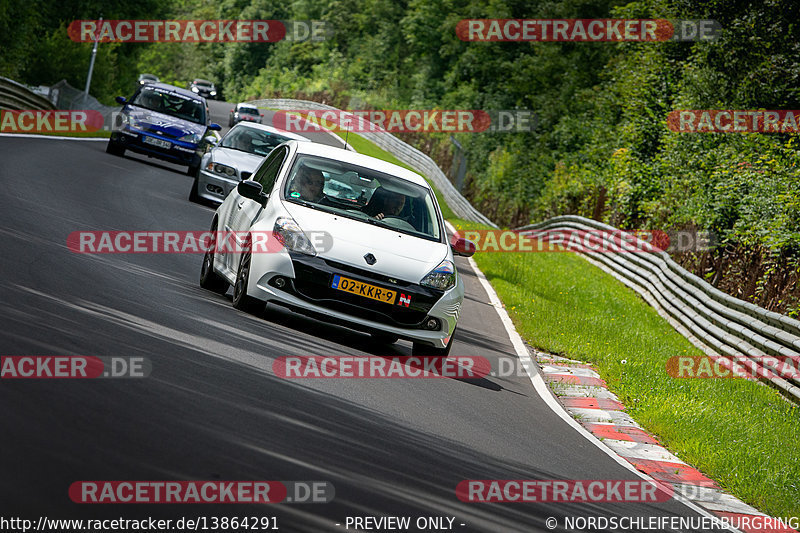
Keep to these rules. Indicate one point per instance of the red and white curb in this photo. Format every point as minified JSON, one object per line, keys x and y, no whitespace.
{"x":584,"y":395}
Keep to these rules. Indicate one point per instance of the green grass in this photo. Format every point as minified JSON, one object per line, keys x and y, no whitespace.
{"x":740,"y":433}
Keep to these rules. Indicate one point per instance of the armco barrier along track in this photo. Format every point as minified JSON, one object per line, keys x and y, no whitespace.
{"x":15,"y":96}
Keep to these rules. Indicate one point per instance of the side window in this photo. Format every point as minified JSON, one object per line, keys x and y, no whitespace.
{"x":267,"y":173}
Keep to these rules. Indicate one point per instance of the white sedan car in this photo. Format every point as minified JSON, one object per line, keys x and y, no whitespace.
{"x":350,"y":239}
{"x":234,"y":159}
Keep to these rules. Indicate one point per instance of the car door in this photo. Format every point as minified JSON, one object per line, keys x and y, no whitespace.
{"x":245,"y":211}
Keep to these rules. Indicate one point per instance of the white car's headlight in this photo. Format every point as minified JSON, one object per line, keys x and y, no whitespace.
{"x":195,"y":90}
{"x":190,"y":138}
{"x":292,"y":237}
{"x":221,"y":169}
{"x":213,"y":93}
{"x":443,"y":277}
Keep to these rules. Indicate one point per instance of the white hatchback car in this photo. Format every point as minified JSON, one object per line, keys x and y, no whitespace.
{"x":352,"y":239}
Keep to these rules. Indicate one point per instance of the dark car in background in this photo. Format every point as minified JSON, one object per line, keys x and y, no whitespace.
{"x":244,"y":112}
{"x":204,"y":88}
{"x":165,"y":122}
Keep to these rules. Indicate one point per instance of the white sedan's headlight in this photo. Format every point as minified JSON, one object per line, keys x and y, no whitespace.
{"x":221,"y":169}
{"x":289,"y":234}
{"x":443,"y":277}
{"x":190,"y":138}
{"x":195,"y":89}
{"x":213,"y":93}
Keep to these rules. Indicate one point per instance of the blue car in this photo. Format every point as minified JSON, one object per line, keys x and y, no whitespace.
{"x":165,"y":122}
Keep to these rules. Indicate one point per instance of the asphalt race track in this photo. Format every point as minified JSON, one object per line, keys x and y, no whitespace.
{"x":212,"y":408}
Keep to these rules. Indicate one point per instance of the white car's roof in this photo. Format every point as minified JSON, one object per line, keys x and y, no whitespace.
{"x":340,"y":154}
{"x":270,"y":129}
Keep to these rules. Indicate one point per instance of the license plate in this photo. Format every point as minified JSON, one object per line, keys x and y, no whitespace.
{"x":363,"y":289}
{"x":157,"y":142}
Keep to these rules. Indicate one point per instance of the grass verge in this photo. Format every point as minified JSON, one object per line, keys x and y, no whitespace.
{"x":740,"y":433}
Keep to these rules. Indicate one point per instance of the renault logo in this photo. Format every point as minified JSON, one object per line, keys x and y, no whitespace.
{"x":370,"y":259}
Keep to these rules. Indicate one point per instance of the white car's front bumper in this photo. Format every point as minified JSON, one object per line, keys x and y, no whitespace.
{"x":446,"y":309}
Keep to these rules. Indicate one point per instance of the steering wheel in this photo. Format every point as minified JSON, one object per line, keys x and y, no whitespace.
{"x":395,"y":221}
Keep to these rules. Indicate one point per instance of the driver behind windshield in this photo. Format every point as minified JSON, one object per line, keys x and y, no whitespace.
{"x":244,"y":142}
{"x":385,"y":203}
{"x":150,"y":100}
{"x":308,"y":185}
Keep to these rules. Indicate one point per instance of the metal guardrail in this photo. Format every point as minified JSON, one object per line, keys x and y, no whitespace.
{"x":737,"y":334}
{"x":402,"y":151}
{"x":68,"y":97}
{"x":16,"y":97}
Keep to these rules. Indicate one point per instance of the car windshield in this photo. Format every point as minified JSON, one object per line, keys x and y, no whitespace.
{"x":203,"y":83}
{"x":248,"y":111}
{"x":171,"y":103}
{"x":252,"y":140}
{"x":363,"y":194}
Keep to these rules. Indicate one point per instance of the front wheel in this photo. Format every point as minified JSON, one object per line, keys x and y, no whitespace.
{"x":426,"y":350}
{"x":241,"y":300}
{"x":114,"y":149}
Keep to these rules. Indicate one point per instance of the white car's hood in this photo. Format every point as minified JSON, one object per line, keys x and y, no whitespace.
{"x":243,"y":161}
{"x":397,"y":254}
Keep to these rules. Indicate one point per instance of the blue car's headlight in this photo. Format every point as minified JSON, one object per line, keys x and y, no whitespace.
{"x":190,"y":138}
{"x":443,"y":277}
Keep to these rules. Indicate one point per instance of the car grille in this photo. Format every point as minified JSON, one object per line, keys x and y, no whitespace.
{"x":312,"y":282}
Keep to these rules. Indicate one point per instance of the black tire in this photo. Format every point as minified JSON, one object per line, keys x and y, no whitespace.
{"x":426,"y":350}
{"x":385,"y":338}
{"x":241,"y":300}
{"x":209,"y":279}
{"x":114,"y":149}
{"x":193,"y":170}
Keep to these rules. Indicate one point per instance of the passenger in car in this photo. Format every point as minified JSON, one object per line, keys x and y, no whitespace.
{"x":308,"y":185}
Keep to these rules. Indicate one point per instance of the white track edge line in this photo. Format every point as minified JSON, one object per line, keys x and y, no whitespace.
{"x":59,"y":137}
{"x":541,"y":388}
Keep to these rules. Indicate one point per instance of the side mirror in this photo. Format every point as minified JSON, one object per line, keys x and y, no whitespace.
{"x":252,"y":190}
{"x":121,"y":100}
{"x":211,"y":140}
{"x":463,"y":247}
{"x":214,"y":126}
